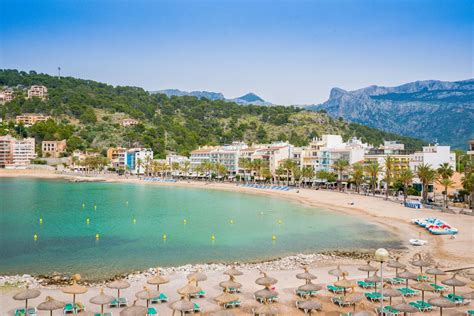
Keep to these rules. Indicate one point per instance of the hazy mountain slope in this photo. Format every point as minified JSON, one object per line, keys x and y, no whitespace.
{"x":430,"y":110}
{"x":249,"y":98}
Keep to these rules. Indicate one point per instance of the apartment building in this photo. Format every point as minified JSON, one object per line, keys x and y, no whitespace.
{"x":433,"y":155}
{"x":53,"y":148}
{"x":6,"y":96}
{"x":16,"y":153}
{"x":117,"y":157}
{"x":29,"y":119}
{"x":38,"y":92}
{"x":129,"y":122}
{"x":136,"y":159}
{"x":470,"y":150}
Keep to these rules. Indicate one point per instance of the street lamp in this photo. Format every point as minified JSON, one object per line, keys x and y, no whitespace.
{"x":381,"y":255}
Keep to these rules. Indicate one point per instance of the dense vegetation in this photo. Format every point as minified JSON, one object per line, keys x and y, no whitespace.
{"x":88,"y":115}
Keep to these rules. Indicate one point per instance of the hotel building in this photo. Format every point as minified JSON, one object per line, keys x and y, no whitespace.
{"x":16,"y":153}
{"x":29,"y":119}
{"x":53,"y":148}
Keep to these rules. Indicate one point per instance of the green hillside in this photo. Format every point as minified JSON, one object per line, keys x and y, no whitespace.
{"x":88,"y":114}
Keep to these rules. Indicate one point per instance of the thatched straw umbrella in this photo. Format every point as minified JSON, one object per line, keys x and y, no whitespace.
{"x":435,"y":271}
{"x":363,"y":313}
{"x":468,"y":296}
{"x":269,"y":309}
{"x":226,"y":298}
{"x":310,"y":305}
{"x":310,"y":287}
{"x":74,"y":288}
{"x":405,"y":308}
{"x":265,"y":294}
{"x":368,"y":268}
{"x":233,"y":272}
{"x":182,"y":306}
{"x":344,"y":283}
{"x":134,"y":310}
{"x":374,"y":279}
{"x":454,"y":282}
{"x":157,"y":280}
{"x":266,"y":280}
{"x":423,"y":287}
{"x":197,"y":276}
{"x":118,"y":285}
{"x":336,"y":272}
{"x":147,"y":294}
{"x":189,"y":289}
{"x":306,"y":275}
{"x":391,"y":292}
{"x":353,"y":299}
{"x":50,"y":305}
{"x":25,"y":295}
{"x":230,"y":284}
{"x":407,"y":275}
{"x":101,"y":299}
{"x":441,"y":302}
{"x":396,"y":265}
{"x":419,"y":262}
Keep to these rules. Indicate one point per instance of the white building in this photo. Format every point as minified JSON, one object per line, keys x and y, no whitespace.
{"x":433,"y":155}
{"x":38,"y":92}
{"x":23,"y":152}
{"x":137,"y":159}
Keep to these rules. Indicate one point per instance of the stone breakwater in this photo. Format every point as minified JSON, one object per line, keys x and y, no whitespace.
{"x":286,"y":263}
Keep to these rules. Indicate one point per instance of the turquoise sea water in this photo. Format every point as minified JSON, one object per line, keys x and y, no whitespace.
{"x":131,"y":220}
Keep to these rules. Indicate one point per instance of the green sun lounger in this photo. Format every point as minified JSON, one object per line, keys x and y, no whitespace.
{"x":152,"y":311}
{"x":438,"y":288}
{"x":470,"y":312}
{"x":389,"y":310}
{"x":335,"y":289}
{"x":21,"y":311}
{"x":365,"y":285}
{"x":407,"y":291}
{"x":233,"y":304}
{"x":374,"y":296}
{"x":340,"y":301}
{"x":423,"y":278}
{"x":422,"y":306}
{"x":197,"y":308}
{"x":105,"y":314}
{"x":395,"y":281}
{"x":68,"y":309}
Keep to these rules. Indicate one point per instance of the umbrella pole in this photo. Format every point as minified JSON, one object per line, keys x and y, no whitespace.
{"x":441,"y":311}
{"x":50,"y":313}
{"x":435,"y":279}
{"x":454,"y":290}
{"x":102,"y":309}
{"x":422,"y":296}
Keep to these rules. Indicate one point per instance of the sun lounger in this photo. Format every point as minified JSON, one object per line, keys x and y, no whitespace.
{"x":335,"y":289}
{"x":423,"y":278}
{"x":459,"y":300}
{"x":105,"y":314}
{"x":233,"y":290}
{"x":395,"y":281}
{"x":340,"y":301}
{"x":152,"y":311}
{"x":21,"y":311}
{"x":79,"y":307}
{"x":232,"y":304}
{"x":407,"y":291}
{"x":438,"y":288}
{"x":160,"y":299}
{"x":374,"y":296}
{"x":365,"y":285}
{"x":197,"y":308}
{"x":390,"y":311}
{"x":422,"y":306}
{"x":121,"y":302}
{"x":68,"y":309}
{"x":305,"y":293}
{"x":470,"y":312}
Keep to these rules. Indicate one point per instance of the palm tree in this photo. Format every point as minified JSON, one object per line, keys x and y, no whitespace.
{"x":468,"y":185}
{"x":186,"y":167}
{"x":357,"y":175}
{"x":245,"y":164}
{"x":307,"y":173}
{"x":340,"y":166}
{"x":445,"y":170}
{"x":278,"y":173}
{"x":256,"y":166}
{"x":288,"y":165}
{"x":389,"y":164}
{"x":373,"y":169}
{"x":446,"y":183}
{"x":221,"y":170}
{"x":406,"y":178}
{"x":139,"y":165}
{"x":427,"y":175}
{"x":208,"y":166}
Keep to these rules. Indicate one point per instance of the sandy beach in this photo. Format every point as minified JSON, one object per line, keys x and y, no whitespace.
{"x":448,"y":253}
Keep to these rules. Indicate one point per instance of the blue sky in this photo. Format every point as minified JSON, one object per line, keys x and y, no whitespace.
{"x":288,"y":52}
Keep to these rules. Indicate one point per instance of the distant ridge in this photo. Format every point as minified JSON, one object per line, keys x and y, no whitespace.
{"x":249,"y":98}
{"x":433,"y":110}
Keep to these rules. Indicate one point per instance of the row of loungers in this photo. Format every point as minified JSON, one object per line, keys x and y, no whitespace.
{"x":270,"y":187}
{"x":159,"y":180}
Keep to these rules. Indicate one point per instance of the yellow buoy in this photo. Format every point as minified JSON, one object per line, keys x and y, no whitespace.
{"x":164,"y":237}
{"x":88,"y":221}
{"x":35,"y":237}
{"x":185,"y":221}
{"x":280,"y":221}
{"x":126,"y":202}
{"x":274,"y":237}
{"x":261,"y":213}
{"x":97,"y":236}
{"x":134,"y":220}
{"x":95,"y":207}
{"x":213,"y":237}
{"x":231,"y":221}
{"x":83,"y":205}
{"x":41,"y":220}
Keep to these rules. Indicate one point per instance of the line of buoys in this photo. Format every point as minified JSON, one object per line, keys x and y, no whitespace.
{"x":41,"y":220}
{"x":88,"y":221}
{"x":35,"y":237}
{"x":97,"y":236}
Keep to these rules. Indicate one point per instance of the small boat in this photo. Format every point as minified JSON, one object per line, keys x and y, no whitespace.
{"x":418,"y":242}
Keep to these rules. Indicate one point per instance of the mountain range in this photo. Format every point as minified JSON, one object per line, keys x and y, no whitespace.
{"x":249,"y":98}
{"x":436,"y":111}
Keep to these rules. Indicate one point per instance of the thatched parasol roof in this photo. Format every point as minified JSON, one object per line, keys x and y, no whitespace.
{"x":368,"y":267}
{"x":157,"y":280}
{"x":310,"y":287}
{"x":182,"y":305}
{"x":453,"y":281}
{"x":266,"y":293}
{"x":337,"y":272}
{"x":441,"y":301}
{"x":102,"y":298}
{"x":233,"y":272}
{"x":404,"y":307}
{"x":230,"y":284}
{"x":197,"y":276}
{"x":407,"y":275}
{"x":26,"y":294}
{"x":189,"y":289}
{"x":74,"y":289}
{"x":435,"y":271}
{"x":134,"y":310}
{"x":306,"y":275}
{"x":147,"y":294}
{"x":118,"y":285}
{"x":266,"y":280}
{"x":310,"y":304}
{"x":50,"y":304}
{"x":344,"y":283}
{"x":396,"y":264}
{"x":225,"y":298}
{"x":222,"y":313}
